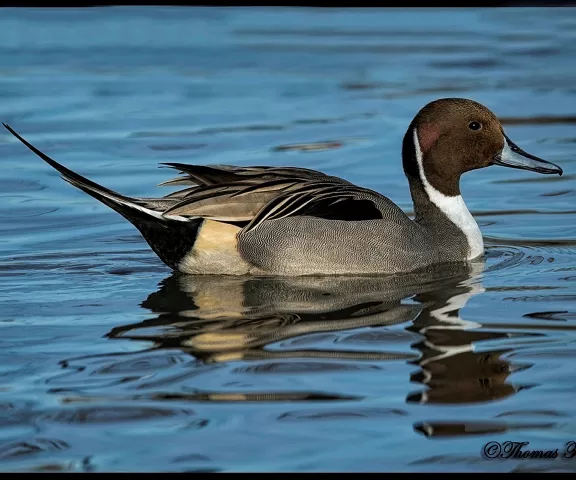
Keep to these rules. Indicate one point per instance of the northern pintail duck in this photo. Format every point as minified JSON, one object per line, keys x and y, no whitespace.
{"x":262,"y":220}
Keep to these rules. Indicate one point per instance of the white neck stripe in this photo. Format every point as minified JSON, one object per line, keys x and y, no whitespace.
{"x":453,"y":207}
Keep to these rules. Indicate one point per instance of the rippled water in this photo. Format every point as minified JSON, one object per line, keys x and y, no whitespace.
{"x":108,"y":362}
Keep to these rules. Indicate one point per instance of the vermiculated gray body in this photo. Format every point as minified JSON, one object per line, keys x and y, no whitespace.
{"x":342,"y":247}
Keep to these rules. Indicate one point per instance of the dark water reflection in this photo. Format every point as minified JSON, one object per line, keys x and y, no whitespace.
{"x":108,"y":362}
{"x":228,"y":342}
{"x":226,"y":319}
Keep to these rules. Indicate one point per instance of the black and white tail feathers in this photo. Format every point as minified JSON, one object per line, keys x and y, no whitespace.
{"x":170,"y":236}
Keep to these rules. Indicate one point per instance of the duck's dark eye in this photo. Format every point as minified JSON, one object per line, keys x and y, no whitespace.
{"x":474,"y":126}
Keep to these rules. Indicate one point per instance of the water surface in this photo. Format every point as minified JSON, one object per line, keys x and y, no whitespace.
{"x":109,"y":362}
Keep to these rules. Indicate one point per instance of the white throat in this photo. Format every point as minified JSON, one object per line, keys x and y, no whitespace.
{"x":453,"y":207}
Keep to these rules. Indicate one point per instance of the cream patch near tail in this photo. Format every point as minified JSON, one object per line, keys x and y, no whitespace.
{"x":215,"y":251}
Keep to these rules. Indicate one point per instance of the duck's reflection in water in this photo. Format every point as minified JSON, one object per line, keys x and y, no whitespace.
{"x":451,"y":367}
{"x":224,"y":319}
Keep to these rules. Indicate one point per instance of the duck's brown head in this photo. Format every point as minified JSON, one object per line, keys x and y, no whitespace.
{"x":451,"y":136}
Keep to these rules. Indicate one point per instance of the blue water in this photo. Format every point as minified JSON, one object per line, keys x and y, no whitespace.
{"x":109,"y":362}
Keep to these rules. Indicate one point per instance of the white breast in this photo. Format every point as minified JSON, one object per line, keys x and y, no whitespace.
{"x":454,"y":208}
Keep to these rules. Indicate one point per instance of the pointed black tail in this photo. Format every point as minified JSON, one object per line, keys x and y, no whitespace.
{"x":171,"y":236}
